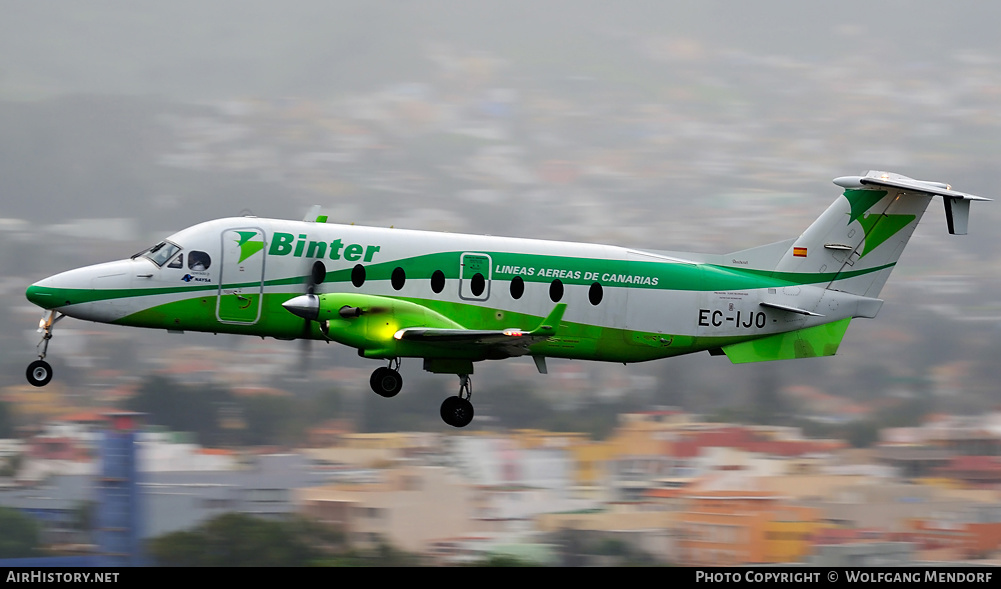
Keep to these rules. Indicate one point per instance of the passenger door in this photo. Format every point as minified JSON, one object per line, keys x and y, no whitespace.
{"x":241,"y":275}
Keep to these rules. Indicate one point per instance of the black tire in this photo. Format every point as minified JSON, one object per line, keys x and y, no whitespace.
{"x":39,"y":373}
{"x":456,"y":412}
{"x":386,"y":382}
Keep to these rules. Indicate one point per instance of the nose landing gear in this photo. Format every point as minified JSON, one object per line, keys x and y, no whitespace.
{"x":39,"y":372}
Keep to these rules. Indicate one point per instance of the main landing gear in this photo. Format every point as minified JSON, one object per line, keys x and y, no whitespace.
{"x":457,"y":411}
{"x":39,"y":372}
{"x":386,"y":381}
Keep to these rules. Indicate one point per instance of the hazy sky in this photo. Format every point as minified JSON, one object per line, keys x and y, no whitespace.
{"x":191,"y":50}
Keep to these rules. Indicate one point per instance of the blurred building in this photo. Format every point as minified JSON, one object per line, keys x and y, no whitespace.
{"x":862,"y":554}
{"x":408,"y":508}
{"x":731,"y":528}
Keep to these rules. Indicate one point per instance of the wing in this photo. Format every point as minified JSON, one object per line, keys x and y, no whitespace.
{"x":514,"y":341}
{"x":384,"y":327}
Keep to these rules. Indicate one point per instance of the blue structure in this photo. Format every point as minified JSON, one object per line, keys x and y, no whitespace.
{"x":119,"y":515}
{"x":130,"y":511}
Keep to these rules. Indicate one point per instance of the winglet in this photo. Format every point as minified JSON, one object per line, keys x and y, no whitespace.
{"x":551,"y":322}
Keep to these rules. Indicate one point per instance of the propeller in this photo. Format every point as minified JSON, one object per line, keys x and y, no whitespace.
{"x":308,"y":307}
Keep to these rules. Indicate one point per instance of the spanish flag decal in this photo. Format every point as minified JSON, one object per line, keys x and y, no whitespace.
{"x":799,"y":252}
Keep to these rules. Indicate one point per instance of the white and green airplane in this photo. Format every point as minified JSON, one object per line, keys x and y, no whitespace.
{"x":453,"y":300}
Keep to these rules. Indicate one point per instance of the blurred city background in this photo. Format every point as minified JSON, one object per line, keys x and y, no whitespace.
{"x":709,"y":126}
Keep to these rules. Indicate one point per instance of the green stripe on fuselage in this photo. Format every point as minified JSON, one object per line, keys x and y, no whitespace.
{"x":573,"y":340}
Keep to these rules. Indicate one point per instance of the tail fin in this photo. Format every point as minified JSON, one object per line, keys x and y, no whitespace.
{"x":854,"y":245}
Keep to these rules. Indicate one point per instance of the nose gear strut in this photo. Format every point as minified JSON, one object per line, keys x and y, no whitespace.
{"x":39,"y":372}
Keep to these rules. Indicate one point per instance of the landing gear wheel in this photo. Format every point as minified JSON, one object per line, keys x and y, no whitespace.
{"x":457,"y":412}
{"x":39,"y":373}
{"x":386,"y":382}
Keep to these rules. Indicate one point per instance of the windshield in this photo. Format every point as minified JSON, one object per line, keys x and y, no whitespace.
{"x":159,"y":253}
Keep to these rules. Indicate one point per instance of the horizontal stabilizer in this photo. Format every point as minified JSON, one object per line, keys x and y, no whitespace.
{"x":937,"y":188}
{"x":789,"y":308}
{"x":957,"y":204}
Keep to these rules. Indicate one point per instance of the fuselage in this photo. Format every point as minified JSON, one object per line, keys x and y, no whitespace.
{"x":454,"y":299}
{"x":233,"y":275}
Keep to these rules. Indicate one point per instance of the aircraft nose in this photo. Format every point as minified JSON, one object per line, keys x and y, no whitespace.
{"x":42,"y":295}
{"x":305,"y":306}
{"x":76,"y":286}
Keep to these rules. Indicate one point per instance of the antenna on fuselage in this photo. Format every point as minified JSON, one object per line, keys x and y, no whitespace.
{"x":314,"y":216}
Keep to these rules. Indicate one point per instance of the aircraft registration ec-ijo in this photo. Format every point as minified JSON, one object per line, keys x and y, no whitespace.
{"x":454,"y":300}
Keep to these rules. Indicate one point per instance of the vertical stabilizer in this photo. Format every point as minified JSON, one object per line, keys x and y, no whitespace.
{"x":854,"y":245}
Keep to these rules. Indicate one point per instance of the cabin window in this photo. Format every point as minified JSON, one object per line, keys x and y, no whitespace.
{"x":556,"y":290}
{"x":398,"y":278}
{"x":477,"y":284}
{"x":517,"y":287}
{"x":358,"y":275}
{"x":438,"y":281}
{"x":177,"y":262}
{"x":595,"y":293}
{"x":198,"y":261}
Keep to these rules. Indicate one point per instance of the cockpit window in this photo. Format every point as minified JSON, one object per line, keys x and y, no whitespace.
{"x":159,"y":253}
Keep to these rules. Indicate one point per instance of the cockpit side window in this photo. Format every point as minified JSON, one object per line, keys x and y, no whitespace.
{"x":198,"y":261}
{"x":160,"y":253}
{"x":177,"y":262}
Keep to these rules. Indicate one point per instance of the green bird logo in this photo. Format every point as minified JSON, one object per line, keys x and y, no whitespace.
{"x":878,"y":227}
{"x":247,"y":247}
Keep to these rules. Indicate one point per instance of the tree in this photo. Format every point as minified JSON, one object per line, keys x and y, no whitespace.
{"x":236,"y":539}
{"x":6,"y":421}
{"x":20,"y":535}
{"x":183,"y":408}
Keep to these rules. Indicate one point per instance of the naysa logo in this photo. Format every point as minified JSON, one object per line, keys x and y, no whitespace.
{"x":190,"y":278}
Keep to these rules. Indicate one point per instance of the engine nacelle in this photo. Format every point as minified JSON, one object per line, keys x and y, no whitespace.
{"x":368,"y":322}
